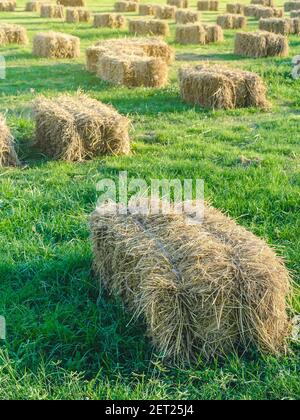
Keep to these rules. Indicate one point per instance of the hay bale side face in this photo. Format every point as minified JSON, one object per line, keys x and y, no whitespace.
{"x":261,"y":44}
{"x":262,"y":12}
{"x":33,"y":6}
{"x":295,"y":26}
{"x":76,"y":128}
{"x":171,"y":274}
{"x":214,"y":33}
{"x":76,"y":15}
{"x":7,"y":6}
{"x":109,"y":20}
{"x":8,"y":155}
{"x":267,"y":3}
{"x":72,"y":3}
{"x":295,"y":14}
{"x":147,"y":9}
{"x":181,"y":4}
{"x":235,"y":8}
{"x":276,"y":25}
{"x":165,"y":12}
{"x":56,"y":45}
{"x":208,"y":5}
{"x":291,"y":6}
{"x":149,"y":27}
{"x":52,"y":11}
{"x":230,"y":21}
{"x":183,"y":16}
{"x":13,"y":34}
{"x":191,"y":33}
{"x":126,"y":6}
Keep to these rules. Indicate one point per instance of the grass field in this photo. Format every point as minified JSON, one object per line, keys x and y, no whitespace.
{"x":60,"y":342}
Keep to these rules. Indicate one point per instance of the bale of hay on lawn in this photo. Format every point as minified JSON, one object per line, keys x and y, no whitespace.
{"x":126,"y":6}
{"x":77,"y":14}
{"x":109,"y":20}
{"x":235,"y":8}
{"x":183,"y":16}
{"x":295,"y":26}
{"x":292,"y":6}
{"x":149,"y":27}
{"x":7,"y":6}
{"x":230,"y":21}
{"x":72,"y":3}
{"x":77,"y":128}
{"x":250,"y":11}
{"x":262,"y":12}
{"x":55,"y":11}
{"x":268,"y":3}
{"x":261,"y":44}
{"x":33,"y":6}
{"x":295,"y":14}
{"x":56,"y":45}
{"x":181,"y":4}
{"x":203,"y":290}
{"x":165,"y":12}
{"x":8,"y":155}
{"x":276,"y":25}
{"x":13,"y":34}
{"x":214,"y":33}
{"x":191,"y":33}
{"x":208,"y":5}
{"x":147,"y":9}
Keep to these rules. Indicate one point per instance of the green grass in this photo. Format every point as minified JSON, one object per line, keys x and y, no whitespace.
{"x":61,"y":343}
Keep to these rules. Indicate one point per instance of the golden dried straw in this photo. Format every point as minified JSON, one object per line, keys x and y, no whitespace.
{"x":230,"y":21}
{"x":165,"y":12}
{"x":197,"y":33}
{"x":126,"y":6}
{"x":7,"y":6}
{"x":72,"y":3}
{"x":181,"y":4}
{"x":109,"y":20}
{"x":147,"y":9}
{"x":8,"y":155}
{"x":268,"y":3}
{"x":235,"y":8}
{"x":56,"y":45}
{"x":149,"y":27}
{"x":33,"y":6}
{"x":208,"y":5}
{"x":77,"y":14}
{"x":52,"y":11}
{"x":183,"y":16}
{"x":261,"y":44}
{"x":12,"y":34}
{"x":280,"y":26}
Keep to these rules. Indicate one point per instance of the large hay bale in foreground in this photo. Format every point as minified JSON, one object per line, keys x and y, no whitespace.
{"x":292,"y":6}
{"x":56,"y":45}
{"x":208,"y":5}
{"x":78,"y":14}
{"x":33,"y":6}
{"x":203,"y":290}
{"x":149,"y":27}
{"x":197,"y":33}
{"x":147,"y":9}
{"x":230,"y":21}
{"x":109,"y":20}
{"x":295,"y":14}
{"x":8,"y":155}
{"x":76,"y":128}
{"x":54,"y":11}
{"x":7,"y":6}
{"x":280,"y":26}
{"x":183,"y":16}
{"x":261,"y":44}
{"x":218,"y":87}
{"x":235,"y":8}
{"x":165,"y":12}
{"x":181,"y":4}
{"x":12,"y":34}
{"x":126,"y":6}
{"x":72,"y":3}
{"x":268,"y":3}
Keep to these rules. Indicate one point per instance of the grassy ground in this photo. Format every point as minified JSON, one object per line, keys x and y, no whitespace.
{"x":60,"y":344}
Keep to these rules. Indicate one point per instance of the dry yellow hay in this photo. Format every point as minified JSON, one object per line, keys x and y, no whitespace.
{"x":165,"y":12}
{"x":203,"y":290}
{"x":56,"y":45}
{"x":77,"y":14}
{"x":230,"y":21}
{"x":76,"y":128}
{"x":183,"y":16}
{"x":295,"y":14}
{"x":262,"y":12}
{"x":235,"y":8}
{"x":8,"y":155}
{"x":208,"y":5}
{"x":197,"y":33}
{"x":280,"y":26}
{"x":72,"y":3}
{"x":126,"y":6}
{"x":181,"y":4}
{"x":33,"y":6}
{"x":109,"y":20}
{"x":7,"y":6}
{"x":261,"y":44}
{"x":250,"y":11}
{"x":214,"y":33}
{"x":149,"y":27}
{"x":52,"y":11}
{"x":147,"y":9}
{"x":268,"y":3}
{"x":292,"y":6}
{"x":12,"y":34}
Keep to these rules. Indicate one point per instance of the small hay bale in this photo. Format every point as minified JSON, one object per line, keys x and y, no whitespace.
{"x":250,"y":11}
{"x":147,"y":9}
{"x":72,"y":3}
{"x":235,"y":8}
{"x":56,"y":45}
{"x":77,"y":14}
{"x":262,"y":12}
{"x":126,"y":6}
{"x":197,"y":33}
{"x":54,"y":11}
{"x":214,"y":33}
{"x":165,"y":12}
{"x":183,"y":16}
{"x":181,"y":4}
{"x":295,"y":26}
{"x":276,"y":25}
{"x":13,"y":34}
{"x":268,"y":3}
{"x":7,"y":6}
{"x":208,"y":5}
{"x":33,"y":6}
{"x":261,"y":44}
{"x":109,"y":20}
{"x":77,"y":128}
{"x":203,"y":290}
{"x":149,"y":27}
{"x":230,"y":21}
{"x":8,"y":155}
{"x":295,"y":14}
{"x":292,"y":6}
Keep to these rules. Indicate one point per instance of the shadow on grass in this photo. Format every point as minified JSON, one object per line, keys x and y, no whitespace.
{"x":206,"y":57}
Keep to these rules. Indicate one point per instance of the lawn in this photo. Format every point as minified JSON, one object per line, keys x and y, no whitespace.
{"x":62,"y":341}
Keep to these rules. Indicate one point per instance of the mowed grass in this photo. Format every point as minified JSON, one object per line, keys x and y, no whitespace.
{"x":62,"y":341}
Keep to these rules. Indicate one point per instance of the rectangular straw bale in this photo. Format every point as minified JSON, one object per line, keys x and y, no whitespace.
{"x":33,"y":6}
{"x":214,"y":33}
{"x":181,"y":4}
{"x":295,"y":14}
{"x":77,"y":14}
{"x":292,"y":6}
{"x":109,"y":20}
{"x":261,"y":44}
{"x":235,"y":8}
{"x":191,"y":33}
{"x":250,"y":11}
{"x":147,"y":9}
{"x":7,"y":6}
{"x":295,"y":26}
{"x":230,"y":21}
{"x":126,"y":6}
{"x":76,"y":128}
{"x":56,"y":45}
{"x":276,"y":25}
{"x":149,"y":27}
{"x":13,"y":34}
{"x":55,"y":11}
{"x":208,"y":5}
{"x":183,"y":16}
{"x":262,"y":12}
{"x":8,"y":155}
{"x":268,"y":3}
{"x":72,"y":3}
{"x":165,"y":12}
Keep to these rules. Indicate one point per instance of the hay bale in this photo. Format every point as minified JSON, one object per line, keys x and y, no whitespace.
{"x":262,"y":12}
{"x":56,"y":45}
{"x":261,"y":44}
{"x":7,"y":6}
{"x":76,"y":128}
{"x":126,"y":6}
{"x":109,"y":20}
{"x":55,"y":11}
{"x":149,"y":27}
{"x":181,"y":4}
{"x":77,"y":14}
{"x":147,"y":9}
{"x":197,"y":33}
{"x":292,"y":6}
{"x":268,"y":3}
{"x":214,"y":33}
{"x":230,"y":21}
{"x":33,"y":6}
{"x":208,"y":5}
{"x":277,"y":26}
{"x":165,"y":12}
{"x":295,"y":26}
{"x":295,"y":14}
{"x":203,"y":290}
{"x":250,"y":11}
{"x":8,"y":155}
{"x":183,"y":16}
{"x":72,"y":3}
{"x":235,"y":8}
{"x":12,"y":34}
